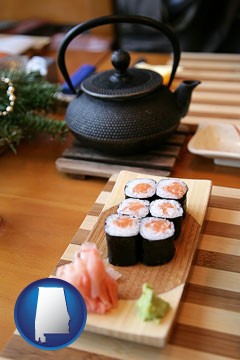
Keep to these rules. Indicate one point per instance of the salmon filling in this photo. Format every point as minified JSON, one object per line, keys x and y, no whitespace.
{"x":165,"y":207}
{"x":175,"y":188}
{"x":123,"y":222}
{"x":142,"y":188}
{"x":121,"y":225}
{"x":134,"y":206}
{"x":158,"y":225}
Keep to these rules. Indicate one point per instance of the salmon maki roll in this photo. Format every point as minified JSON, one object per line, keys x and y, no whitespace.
{"x":157,"y":241}
{"x":144,"y":189}
{"x":173,"y":189}
{"x":168,"y":209}
{"x":122,"y":234}
{"x":134,"y":207}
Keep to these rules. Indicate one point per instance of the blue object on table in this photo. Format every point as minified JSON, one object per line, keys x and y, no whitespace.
{"x":77,"y":77}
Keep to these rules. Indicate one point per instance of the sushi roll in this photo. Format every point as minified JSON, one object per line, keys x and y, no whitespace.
{"x":157,"y":241}
{"x":122,"y":234}
{"x":143,"y":189}
{"x":168,"y":209}
{"x":174,"y":189}
{"x":134,"y":207}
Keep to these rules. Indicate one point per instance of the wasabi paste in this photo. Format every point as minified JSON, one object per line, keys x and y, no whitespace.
{"x":150,"y":306}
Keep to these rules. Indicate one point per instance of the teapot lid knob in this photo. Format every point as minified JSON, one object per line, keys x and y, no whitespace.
{"x":120,"y":60}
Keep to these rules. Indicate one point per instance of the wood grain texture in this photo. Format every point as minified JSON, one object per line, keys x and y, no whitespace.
{"x":79,"y":160}
{"x":19,"y":349}
{"x":212,"y":285}
{"x":40,"y":212}
{"x":207,"y":324}
{"x":162,"y":278}
{"x":217,"y":98}
{"x":103,"y":170}
{"x":211,"y":297}
{"x":208,"y":341}
{"x":167,"y":280}
{"x":213,"y":282}
{"x":128,"y":350}
{"x":211,"y":294}
{"x":67,"y":201}
{"x":55,"y":12}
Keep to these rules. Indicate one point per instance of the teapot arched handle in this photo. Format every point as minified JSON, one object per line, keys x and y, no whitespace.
{"x":117,"y":19}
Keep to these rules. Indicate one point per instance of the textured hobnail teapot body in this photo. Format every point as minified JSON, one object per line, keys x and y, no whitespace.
{"x":125,"y":110}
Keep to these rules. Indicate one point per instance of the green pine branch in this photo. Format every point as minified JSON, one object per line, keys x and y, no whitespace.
{"x":10,"y":135}
{"x":33,"y":123}
{"x":35,"y":98}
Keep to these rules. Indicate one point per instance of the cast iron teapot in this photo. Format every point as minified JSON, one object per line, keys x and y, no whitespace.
{"x":125,"y":110}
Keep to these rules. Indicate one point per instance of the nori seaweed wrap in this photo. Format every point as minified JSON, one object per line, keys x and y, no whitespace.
{"x":174,"y":189}
{"x":134,"y":207}
{"x":144,"y":189}
{"x":123,"y":240}
{"x":168,"y":209}
{"x":157,"y":241}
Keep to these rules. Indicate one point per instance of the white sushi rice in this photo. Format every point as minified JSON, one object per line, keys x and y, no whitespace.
{"x":166,"y":208}
{"x":163,"y":192}
{"x":147,"y":230}
{"x":127,"y":207}
{"x":131,"y":186}
{"x":112,"y":228}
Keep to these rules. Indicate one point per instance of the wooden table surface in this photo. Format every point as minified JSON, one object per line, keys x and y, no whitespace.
{"x":41,"y":209}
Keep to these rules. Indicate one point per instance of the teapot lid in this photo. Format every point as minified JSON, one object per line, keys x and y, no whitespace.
{"x":122,"y":82}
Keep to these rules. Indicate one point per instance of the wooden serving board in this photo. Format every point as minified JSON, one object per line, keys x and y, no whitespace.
{"x":167,"y":280}
{"x":207,"y":325}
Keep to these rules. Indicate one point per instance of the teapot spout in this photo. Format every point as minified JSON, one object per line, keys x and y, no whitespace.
{"x":183,"y":95}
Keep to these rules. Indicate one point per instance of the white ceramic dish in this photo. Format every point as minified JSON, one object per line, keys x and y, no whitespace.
{"x":220,"y":142}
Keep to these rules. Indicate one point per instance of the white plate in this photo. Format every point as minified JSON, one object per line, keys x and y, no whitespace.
{"x":220,"y":142}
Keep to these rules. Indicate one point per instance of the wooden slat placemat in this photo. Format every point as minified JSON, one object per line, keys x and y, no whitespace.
{"x":77,"y":160}
{"x":217,"y":98}
{"x":208,"y":323}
